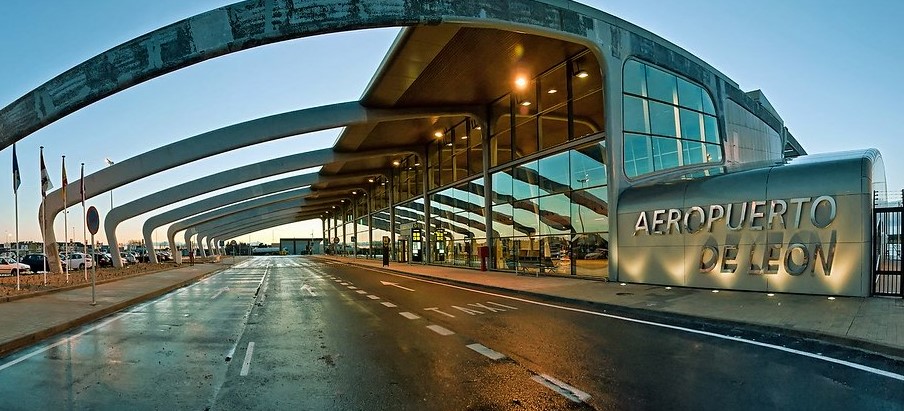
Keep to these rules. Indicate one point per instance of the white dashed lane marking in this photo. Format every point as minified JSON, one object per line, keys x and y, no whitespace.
{"x":361,"y":292}
{"x":373,"y":297}
{"x":246,"y":365}
{"x":410,"y":316}
{"x":389,"y":304}
{"x":567,"y":391}
{"x":486,"y":352}
{"x":440,"y":330}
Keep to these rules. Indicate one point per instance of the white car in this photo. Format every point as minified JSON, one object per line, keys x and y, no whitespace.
{"x":9,"y":266}
{"x":79,"y":261}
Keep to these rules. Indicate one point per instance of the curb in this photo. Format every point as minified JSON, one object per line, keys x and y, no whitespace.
{"x":7,"y":347}
{"x":752,"y":331}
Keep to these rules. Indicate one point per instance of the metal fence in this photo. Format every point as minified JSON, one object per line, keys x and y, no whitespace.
{"x":888,"y":270}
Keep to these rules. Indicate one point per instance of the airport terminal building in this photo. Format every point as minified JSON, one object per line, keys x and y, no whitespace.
{"x":555,"y":138}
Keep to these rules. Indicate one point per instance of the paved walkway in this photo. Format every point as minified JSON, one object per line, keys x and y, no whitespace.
{"x":28,"y":320}
{"x":875,"y":324}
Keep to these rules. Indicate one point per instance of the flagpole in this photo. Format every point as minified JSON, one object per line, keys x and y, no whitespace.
{"x":84,"y":226}
{"x":43,"y":215}
{"x":65,"y":222}
{"x":16,"y":181}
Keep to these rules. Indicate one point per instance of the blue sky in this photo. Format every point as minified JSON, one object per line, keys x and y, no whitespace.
{"x":830,"y":68}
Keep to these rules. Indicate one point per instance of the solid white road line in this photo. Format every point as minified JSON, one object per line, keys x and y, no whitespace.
{"x":373,"y":297}
{"x":410,"y":316}
{"x":389,"y":304}
{"x":440,"y":330}
{"x":817,"y":356}
{"x":486,"y":352}
{"x":217,"y":294}
{"x":246,"y":365}
{"x":567,"y":391}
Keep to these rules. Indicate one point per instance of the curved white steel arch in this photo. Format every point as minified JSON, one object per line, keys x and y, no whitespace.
{"x":225,"y":179}
{"x":241,"y":217}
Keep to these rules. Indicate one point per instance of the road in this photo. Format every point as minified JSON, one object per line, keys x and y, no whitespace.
{"x":304,"y":334}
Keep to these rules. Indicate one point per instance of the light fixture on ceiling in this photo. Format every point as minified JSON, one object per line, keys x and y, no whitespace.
{"x":525,"y":103}
{"x":383,"y":183}
{"x":464,"y":137}
{"x":552,"y":91}
{"x":418,"y":164}
{"x":354,"y":192}
{"x":579,"y":72}
{"x":370,"y":180}
{"x":438,"y":134}
{"x":521,"y":82}
{"x":396,"y":163}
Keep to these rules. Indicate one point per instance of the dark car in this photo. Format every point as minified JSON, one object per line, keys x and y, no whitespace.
{"x":35,"y":261}
{"x":103,"y":260}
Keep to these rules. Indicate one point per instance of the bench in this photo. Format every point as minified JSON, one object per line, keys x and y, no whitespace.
{"x":528,"y":264}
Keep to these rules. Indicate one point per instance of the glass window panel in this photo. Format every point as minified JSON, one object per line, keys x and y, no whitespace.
{"x":526,"y":217}
{"x":502,"y":220}
{"x":461,"y":166}
{"x":475,"y":193}
{"x":554,"y":173}
{"x":588,"y":167}
{"x":665,"y":153}
{"x":691,"y":124}
{"x":475,"y":160}
{"x":460,"y":137}
{"x":591,"y":255}
{"x":502,"y":116}
{"x":447,"y":172}
{"x":713,"y":153}
{"x":690,"y":95}
{"x":708,"y":104}
{"x":635,"y":80}
{"x":638,"y":155}
{"x":556,"y":214}
{"x":433,"y":171}
{"x":526,"y":139}
{"x":711,"y":129}
{"x":636,"y":116}
{"x":590,"y":210}
{"x":553,"y":89}
{"x":693,"y":152}
{"x":662,"y":119}
{"x":661,"y":85}
{"x":502,"y":187}
{"x":588,"y":115}
{"x":501,"y":148}
{"x":554,"y":127}
{"x":525,"y":181}
{"x":583,"y":85}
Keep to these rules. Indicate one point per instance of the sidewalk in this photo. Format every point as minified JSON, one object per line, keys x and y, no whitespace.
{"x":874,"y":324}
{"x":28,"y":320}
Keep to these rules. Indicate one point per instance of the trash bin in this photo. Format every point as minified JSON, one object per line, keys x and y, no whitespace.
{"x":484,"y":254}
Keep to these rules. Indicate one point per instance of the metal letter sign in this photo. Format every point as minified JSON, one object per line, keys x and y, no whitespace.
{"x":92,"y":219}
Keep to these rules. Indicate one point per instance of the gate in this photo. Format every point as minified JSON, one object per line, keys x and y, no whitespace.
{"x":888,"y":270}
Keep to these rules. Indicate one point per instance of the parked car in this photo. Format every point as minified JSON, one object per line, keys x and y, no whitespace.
{"x":35,"y":262}
{"x":9,"y":266}
{"x":79,"y":261}
{"x":103,"y":260}
{"x":129,"y":258}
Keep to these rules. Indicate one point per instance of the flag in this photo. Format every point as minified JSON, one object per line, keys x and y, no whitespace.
{"x":82,"y":185}
{"x":17,"y":179}
{"x":46,"y":185}
{"x":65,"y":181}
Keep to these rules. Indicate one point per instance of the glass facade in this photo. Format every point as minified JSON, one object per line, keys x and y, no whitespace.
{"x":546,"y":163}
{"x":669,"y":122}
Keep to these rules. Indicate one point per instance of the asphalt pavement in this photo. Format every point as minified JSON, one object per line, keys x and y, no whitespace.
{"x":873,"y":324}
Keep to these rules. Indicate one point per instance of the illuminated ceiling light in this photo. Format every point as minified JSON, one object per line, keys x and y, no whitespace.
{"x":438,"y":134}
{"x":418,"y":164}
{"x":410,"y":168}
{"x":668,"y":288}
{"x":715,"y":291}
{"x":354,"y":192}
{"x":582,"y":74}
{"x":396,"y":163}
{"x":521,"y":82}
{"x":464,"y":137}
{"x":552,"y":91}
{"x":383,"y":183}
{"x":334,"y":206}
{"x":370,"y":180}
{"x":525,"y":103}
{"x":770,"y":295}
{"x":477,"y":128}
{"x":623,"y":284}
{"x":831,"y":298}
{"x":449,"y":144}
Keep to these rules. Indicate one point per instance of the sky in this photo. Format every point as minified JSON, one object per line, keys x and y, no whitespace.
{"x":830,"y":68}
